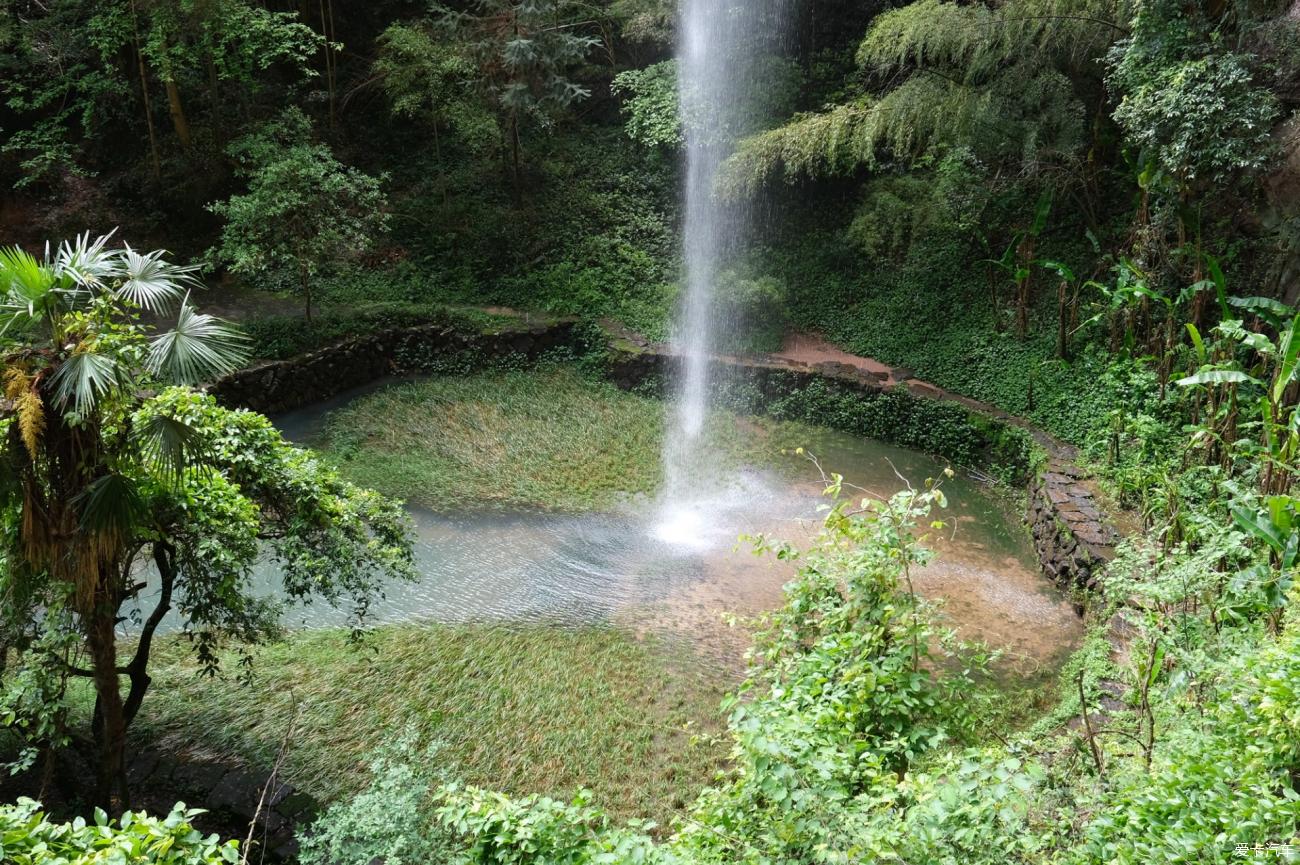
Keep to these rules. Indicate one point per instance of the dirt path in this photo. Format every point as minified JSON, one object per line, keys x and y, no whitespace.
{"x":811,"y":349}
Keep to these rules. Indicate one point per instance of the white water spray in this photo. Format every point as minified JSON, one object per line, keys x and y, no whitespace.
{"x":720,"y":45}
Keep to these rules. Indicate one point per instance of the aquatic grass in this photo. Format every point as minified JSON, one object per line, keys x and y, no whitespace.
{"x":536,"y":708}
{"x":546,"y":439}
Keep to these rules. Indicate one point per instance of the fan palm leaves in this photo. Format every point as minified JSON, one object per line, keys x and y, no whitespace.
{"x":200,"y":346}
{"x":75,"y":308}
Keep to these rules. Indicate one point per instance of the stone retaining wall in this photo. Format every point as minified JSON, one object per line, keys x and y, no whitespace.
{"x":231,"y":796}
{"x":1072,"y":537}
{"x":273,"y":387}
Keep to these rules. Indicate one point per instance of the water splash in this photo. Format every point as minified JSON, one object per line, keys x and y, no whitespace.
{"x":721,"y":81}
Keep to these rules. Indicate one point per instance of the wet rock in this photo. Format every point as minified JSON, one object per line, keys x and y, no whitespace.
{"x":1067,"y":470}
{"x":1093,"y":532}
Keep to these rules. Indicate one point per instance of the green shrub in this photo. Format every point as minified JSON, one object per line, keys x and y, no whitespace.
{"x":388,"y":821}
{"x":27,"y":837}
{"x":750,"y":312}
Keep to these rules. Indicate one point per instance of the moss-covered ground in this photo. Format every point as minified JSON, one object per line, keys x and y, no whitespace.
{"x":546,"y":439}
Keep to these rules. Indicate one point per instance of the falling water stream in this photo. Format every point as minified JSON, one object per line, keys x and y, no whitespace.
{"x":719,"y":44}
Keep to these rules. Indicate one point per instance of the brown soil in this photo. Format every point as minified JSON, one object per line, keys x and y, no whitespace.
{"x":811,"y":349}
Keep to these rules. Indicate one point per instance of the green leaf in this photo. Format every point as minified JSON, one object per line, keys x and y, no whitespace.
{"x":199,"y":348}
{"x":1197,"y":342}
{"x":1257,"y":525}
{"x":111,"y":503}
{"x":1217,"y":376}
{"x":1061,"y":270}
{"x":170,"y":445}
{"x":1220,"y":283}
{"x":1288,"y":352}
{"x":1265,"y":306}
{"x":151,"y":282}
{"x":82,"y":379}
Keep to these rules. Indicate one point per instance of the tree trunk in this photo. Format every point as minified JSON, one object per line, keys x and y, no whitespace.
{"x":306,"y":288}
{"x":1024,"y":285}
{"x":325,"y":30}
{"x":1022,"y":308}
{"x":993,"y":298}
{"x":144,"y":95}
{"x":514,"y":155}
{"x":1063,"y":323}
{"x":101,"y":640}
{"x":164,"y":557}
{"x":179,"y":123}
{"x":442,"y":172}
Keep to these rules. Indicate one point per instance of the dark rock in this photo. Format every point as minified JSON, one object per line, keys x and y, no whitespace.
{"x":278,"y":792}
{"x":1069,"y":470}
{"x":238,"y":791}
{"x":298,"y":806}
{"x":1111,"y":688}
{"x":143,"y":766}
{"x":198,"y":778}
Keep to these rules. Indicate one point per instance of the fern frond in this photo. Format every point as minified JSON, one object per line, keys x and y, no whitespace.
{"x":812,"y":145}
{"x":201,"y":346}
{"x":1022,"y":113}
{"x":930,"y":34}
{"x":972,"y":41}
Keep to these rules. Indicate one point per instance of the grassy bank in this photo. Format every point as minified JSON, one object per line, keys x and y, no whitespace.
{"x":546,"y":439}
{"x":524,"y":709}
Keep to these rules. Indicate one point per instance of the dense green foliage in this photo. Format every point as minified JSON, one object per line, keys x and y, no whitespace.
{"x":27,"y":837}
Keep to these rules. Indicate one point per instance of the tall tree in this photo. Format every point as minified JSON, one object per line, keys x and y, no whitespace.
{"x":115,"y":484}
{"x":431,"y":81}
{"x":526,"y":52}
{"x":88,"y":70}
{"x":304,"y":210}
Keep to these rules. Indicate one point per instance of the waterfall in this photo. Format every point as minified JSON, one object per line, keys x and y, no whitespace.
{"x":722,"y":46}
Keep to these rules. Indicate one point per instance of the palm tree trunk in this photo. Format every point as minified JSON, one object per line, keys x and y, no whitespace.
{"x":101,"y":639}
